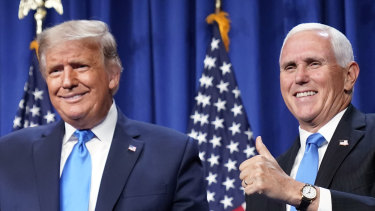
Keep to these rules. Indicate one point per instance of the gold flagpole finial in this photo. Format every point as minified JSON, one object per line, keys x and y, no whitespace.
{"x":39,"y":6}
{"x":217,"y":6}
{"x":221,"y":18}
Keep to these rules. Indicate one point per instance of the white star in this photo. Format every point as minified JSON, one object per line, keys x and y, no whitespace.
{"x":218,"y":123}
{"x":236,"y":92}
{"x":31,"y":68}
{"x":227,"y":202}
{"x":211,"y":178}
{"x":220,"y":105}
{"x":213,"y":160}
{"x":231,"y":165}
{"x":214,"y":44}
{"x":27,"y":109}
{"x":26,"y":124}
{"x":38,"y":94}
{"x":32,"y":124}
{"x":233,"y":147}
{"x":249,"y":151}
{"x":21,"y":105}
{"x":201,"y":155}
{"x":203,"y":99}
{"x":235,"y":128}
{"x":223,"y":86}
{"x":193,"y":134}
{"x":209,"y":62}
{"x":215,"y":141}
{"x":50,"y":117}
{"x":236,"y":109}
{"x":204,"y":119}
{"x":35,"y":111}
{"x":229,"y":183}
{"x":196,"y":117}
{"x":206,"y":81}
{"x":201,"y":138}
{"x":26,"y":87}
{"x":225,"y":68}
{"x":249,"y":133}
{"x":17,"y":122}
{"x":210,"y":196}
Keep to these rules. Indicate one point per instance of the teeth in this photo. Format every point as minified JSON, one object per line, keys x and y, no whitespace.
{"x":74,"y":97}
{"x":304,"y":94}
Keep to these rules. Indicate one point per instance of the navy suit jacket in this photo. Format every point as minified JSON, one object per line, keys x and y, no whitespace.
{"x":348,"y":171}
{"x":163,"y":173}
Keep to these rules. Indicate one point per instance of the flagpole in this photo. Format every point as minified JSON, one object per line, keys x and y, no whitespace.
{"x":217,"y":6}
{"x":41,"y":12}
{"x":35,"y":107}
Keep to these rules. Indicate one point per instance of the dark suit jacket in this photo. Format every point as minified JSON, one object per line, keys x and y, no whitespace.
{"x":348,"y":171}
{"x":164,"y":173}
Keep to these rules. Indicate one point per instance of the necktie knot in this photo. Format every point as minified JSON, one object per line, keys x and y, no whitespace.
{"x":83,"y":135}
{"x":316,"y":138}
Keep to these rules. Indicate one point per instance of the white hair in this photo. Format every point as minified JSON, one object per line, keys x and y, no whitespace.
{"x":340,"y":44}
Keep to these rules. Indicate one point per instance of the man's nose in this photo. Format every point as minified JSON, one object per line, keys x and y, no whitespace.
{"x":69,"y":78}
{"x":302,"y":75}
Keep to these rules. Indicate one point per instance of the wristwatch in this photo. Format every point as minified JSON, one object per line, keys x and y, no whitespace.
{"x":308,"y":195}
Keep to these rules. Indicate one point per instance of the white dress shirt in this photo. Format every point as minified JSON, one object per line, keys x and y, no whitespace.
{"x":325,"y":203}
{"x":98,"y":147}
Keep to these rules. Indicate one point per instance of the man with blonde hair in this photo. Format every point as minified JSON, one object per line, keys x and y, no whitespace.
{"x":95,"y":158}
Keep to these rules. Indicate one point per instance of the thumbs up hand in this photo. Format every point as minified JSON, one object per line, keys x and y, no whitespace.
{"x":262,"y":174}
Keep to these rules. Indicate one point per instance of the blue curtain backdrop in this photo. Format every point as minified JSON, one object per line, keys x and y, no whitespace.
{"x":162,"y":45}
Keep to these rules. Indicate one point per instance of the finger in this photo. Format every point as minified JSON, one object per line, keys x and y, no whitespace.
{"x":243,"y":165}
{"x":244,"y":183}
{"x":252,"y":188}
{"x":262,"y":149}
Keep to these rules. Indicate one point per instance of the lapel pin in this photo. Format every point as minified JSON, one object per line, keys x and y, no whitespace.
{"x":132,"y":148}
{"x":344,"y":143}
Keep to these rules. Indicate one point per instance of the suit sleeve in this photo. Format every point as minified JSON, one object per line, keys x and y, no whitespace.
{"x":191,"y":189}
{"x":346,"y":202}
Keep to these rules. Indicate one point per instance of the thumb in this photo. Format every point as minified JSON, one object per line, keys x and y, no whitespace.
{"x":262,"y":149}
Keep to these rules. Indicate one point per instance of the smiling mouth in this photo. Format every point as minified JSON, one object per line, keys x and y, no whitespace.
{"x":305,"y":94}
{"x":73,"y":97}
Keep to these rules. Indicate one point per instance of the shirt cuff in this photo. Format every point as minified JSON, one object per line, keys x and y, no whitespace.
{"x":325,"y":200}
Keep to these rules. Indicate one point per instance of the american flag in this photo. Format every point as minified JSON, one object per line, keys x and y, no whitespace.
{"x":35,"y":107}
{"x":220,"y":125}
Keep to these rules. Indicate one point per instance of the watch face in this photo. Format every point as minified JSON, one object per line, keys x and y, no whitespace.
{"x":309,"y":192}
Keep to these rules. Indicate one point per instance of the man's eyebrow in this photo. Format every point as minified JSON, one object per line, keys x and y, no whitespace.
{"x":313,"y":59}
{"x":288,"y":63}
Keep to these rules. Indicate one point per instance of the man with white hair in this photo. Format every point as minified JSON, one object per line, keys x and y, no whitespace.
{"x":331,"y":165}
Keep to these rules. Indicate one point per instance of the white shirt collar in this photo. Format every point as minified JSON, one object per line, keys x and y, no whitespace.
{"x":326,"y":131}
{"x":103,"y":131}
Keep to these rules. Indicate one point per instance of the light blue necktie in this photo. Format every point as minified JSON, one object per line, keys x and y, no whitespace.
{"x":76,"y":177}
{"x":308,"y":167}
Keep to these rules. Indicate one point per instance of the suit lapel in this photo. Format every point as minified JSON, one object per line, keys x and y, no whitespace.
{"x":348,"y":129}
{"x":46,"y":159}
{"x":122,"y":157}
{"x":286,"y":160}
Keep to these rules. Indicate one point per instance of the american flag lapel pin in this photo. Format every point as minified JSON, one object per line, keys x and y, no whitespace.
{"x":132,"y":148}
{"x":343,"y":143}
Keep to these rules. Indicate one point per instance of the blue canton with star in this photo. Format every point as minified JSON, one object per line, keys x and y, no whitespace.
{"x":35,"y":107}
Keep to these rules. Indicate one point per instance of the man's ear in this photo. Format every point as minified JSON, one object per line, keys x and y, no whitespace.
{"x":114,"y":77}
{"x":352,"y":73}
